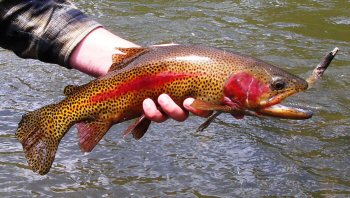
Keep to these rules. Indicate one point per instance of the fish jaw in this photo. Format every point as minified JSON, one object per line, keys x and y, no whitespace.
{"x":282,"y":111}
{"x":273,"y":108}
{"x":276,"y":110}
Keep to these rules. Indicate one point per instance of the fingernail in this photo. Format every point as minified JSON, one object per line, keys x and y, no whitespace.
{"x":146,"y":103}
{"x":187,"y":103}
{"x":163,"y":99}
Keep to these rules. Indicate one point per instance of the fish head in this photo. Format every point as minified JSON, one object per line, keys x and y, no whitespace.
{"x":258,"y":88}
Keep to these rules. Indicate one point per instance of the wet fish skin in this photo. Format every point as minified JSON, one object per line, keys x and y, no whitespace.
{"x":219,"y":80}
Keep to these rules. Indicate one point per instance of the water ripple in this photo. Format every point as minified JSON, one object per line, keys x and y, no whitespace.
{"x":232,"y":158}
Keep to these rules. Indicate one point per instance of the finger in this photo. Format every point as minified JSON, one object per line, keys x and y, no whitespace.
{"x":151,"y":111}
{"x":171,"y":108}
{"x":187,"y":104}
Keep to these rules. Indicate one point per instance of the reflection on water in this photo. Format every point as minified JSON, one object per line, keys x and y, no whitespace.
{"x":249,"y":157}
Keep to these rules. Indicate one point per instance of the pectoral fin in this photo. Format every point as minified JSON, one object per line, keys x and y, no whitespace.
{"x":138,"y":128}
{"x":208,"y":121}
{"x":234,"y":110}
{"x":206,"y":106}
{"x":237,"y":115}
{"x":91,"y":132}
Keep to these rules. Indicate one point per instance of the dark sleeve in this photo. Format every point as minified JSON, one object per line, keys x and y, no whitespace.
{"x":47,"y":30}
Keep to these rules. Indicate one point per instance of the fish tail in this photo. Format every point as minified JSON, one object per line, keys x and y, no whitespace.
{"x":40,"y":132}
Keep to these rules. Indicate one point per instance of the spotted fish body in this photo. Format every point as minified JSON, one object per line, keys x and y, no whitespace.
{"x":219,"y":80}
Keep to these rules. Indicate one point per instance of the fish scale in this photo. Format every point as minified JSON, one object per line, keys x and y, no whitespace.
{"x":215,"y":78}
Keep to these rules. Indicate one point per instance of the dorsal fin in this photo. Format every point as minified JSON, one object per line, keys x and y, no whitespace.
{"x":70,"y":89}
{"x":119,"y":61}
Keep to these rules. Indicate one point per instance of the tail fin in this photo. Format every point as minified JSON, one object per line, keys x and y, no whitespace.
{"x":40,"y":132}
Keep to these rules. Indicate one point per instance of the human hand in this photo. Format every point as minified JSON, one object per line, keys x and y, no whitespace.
{"x":93,"y":55}
{"x":168,"y":108}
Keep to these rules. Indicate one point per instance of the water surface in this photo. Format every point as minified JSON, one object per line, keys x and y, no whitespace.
{"x":241,"y":158}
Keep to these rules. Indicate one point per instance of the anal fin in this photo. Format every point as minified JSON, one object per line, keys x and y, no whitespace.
{"x":91,"y":132}
{"x":138,"y":128}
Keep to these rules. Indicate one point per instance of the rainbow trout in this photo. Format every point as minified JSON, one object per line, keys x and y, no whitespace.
{"x":219,"y":80}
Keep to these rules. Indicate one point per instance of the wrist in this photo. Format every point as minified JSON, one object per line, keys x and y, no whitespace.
{"x":93,"y":55}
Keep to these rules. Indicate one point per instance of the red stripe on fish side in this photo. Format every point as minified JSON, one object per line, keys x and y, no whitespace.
{"x":141,"y":83}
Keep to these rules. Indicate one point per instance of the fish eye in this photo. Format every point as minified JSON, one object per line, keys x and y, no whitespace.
{"x":278,"y":84}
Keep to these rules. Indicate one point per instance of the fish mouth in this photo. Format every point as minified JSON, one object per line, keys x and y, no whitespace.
{"x":282,"y":111}
{"x":273,"y":108}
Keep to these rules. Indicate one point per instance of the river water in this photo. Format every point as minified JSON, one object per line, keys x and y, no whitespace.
{"x":251,"y":157}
